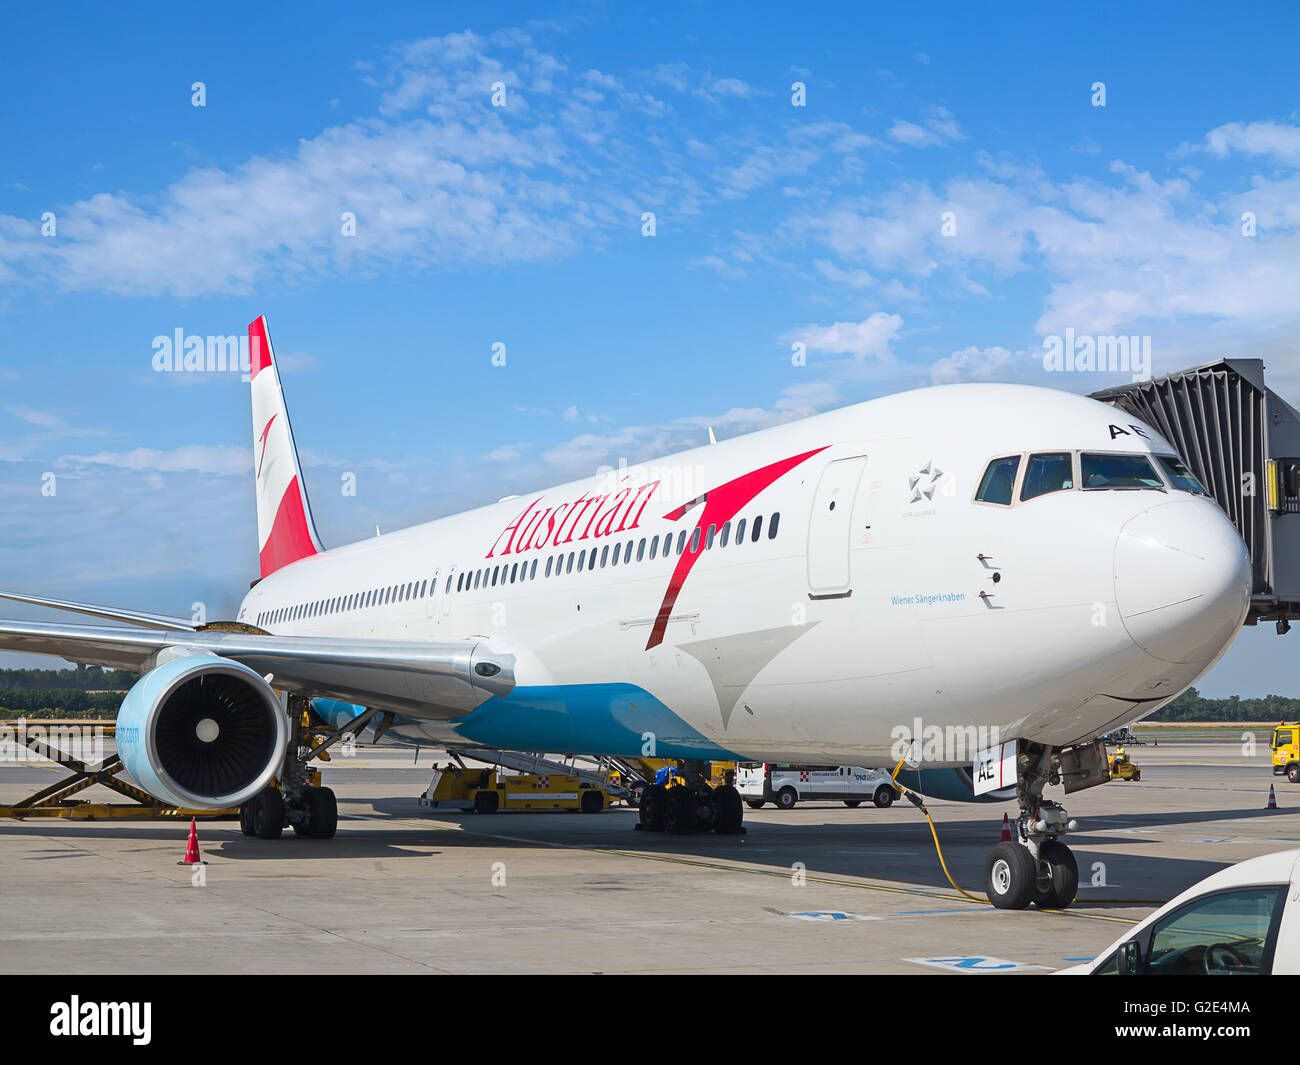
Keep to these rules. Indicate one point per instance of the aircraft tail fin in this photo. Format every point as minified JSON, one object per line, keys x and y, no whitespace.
{"x":285,"y":529}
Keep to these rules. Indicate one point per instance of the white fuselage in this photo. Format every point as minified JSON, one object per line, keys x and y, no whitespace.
{"x":853,"y":622}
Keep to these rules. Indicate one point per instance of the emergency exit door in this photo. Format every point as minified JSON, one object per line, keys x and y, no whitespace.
{"x":831,"y":527}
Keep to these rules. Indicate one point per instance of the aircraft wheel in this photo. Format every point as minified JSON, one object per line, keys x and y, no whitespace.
{"x":650,"y":812}
{"x":679,"y":811}
{"x":268,"y":814}
{"x":728,"y":814}
{"x":1010,"y":876}
{"x":786,"y":798}
{"x":246,"y":818}
{"x":1058,"y":887}
{"x":322,"y":813}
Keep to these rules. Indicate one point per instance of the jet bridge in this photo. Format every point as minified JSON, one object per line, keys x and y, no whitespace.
{"x":1242,"y":440}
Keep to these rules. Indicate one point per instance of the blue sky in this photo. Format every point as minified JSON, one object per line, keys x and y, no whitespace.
{"x":522,"y":224}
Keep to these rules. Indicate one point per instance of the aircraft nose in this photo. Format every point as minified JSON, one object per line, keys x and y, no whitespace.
{"x":1182,"y":580}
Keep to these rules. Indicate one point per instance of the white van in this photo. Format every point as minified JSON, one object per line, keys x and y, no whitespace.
{"x":785,"y":785}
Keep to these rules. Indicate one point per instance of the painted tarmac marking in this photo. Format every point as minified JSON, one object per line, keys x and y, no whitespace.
{"x":979,"y":964}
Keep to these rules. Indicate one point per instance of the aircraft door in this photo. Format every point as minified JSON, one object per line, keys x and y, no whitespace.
{"x":830,"y":528}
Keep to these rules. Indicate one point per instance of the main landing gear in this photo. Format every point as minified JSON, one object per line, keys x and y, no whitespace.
{"x":297,"y":799}
{"x":1035,"y":866}
{"x":687,"y":804}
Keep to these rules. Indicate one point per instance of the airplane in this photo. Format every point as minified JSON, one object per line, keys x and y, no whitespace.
{"x":965,"y":561}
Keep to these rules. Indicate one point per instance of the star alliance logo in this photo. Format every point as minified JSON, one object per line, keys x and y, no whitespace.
{"x":925,"y":482}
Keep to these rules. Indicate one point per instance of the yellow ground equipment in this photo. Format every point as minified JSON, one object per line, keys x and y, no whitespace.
{"x":41,"y":737}
{"x":486,"y":791}
{"x":1286,"y":752}
{"x":1122,"y":767}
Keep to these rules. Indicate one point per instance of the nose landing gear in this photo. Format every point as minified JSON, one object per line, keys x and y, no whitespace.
{"x":1035,"y":866}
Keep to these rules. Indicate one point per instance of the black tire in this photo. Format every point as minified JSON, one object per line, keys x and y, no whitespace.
{"x":884,"y":797}
{"x":852,"y":804}
{"x":1009,"y":876}
{"x":322,"y":813}
{"x":679,"y":811}
{"x":1137,"y":776}
{"x":786,"y":798}
{"x":246,"y":818}
{"x":486,"y":801}
{"x":634,"y":798}
{"x":754,"y":804}
{"x":1060,"y":883}
{"x":1293,"y":774}
{"x":592,"y":802}
{"x":728,"y":813}
{"x":268,"y":814}
{"x":650,"y":812}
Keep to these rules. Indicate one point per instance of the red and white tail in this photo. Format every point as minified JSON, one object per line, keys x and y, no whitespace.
{"x":285,"y":530}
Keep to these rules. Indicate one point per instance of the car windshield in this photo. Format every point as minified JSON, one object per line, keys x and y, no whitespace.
{"x":1118,"y":471}
{"x":1180,"y":476}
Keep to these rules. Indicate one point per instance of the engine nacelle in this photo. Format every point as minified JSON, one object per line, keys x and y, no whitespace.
{"x":202,"y":732}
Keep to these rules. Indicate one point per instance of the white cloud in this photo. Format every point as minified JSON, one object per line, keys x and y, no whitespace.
{"x":938,"y":127}
{"x":869,"y":339}
{"x":220,"y":460}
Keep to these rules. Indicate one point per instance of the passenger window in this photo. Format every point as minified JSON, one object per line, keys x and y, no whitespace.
{"x":550,"y":561}
{"x":1050,"y":472}
{"x":569,"y":567}
{"x":758,"y":529}
{"x":713,"y":531}
{"x":1226,"y":934}
{"x":514,"y":572}
{"x":618,"y":549}
{"x":604,"y":556}
{"x":591,"y":560}
{"x":695,"y":540}
{"x":681,"y":541}
{"x":726,"y":534}
{"x":1117,"y":471}
{"x":999,"y":481}
{"x":532,"y":572}
{"x":640,"y":550}
{"x":740,"y":531}
{"x":668,"y":545}
{"x":654,"y":548}
{"x":772,"y":525}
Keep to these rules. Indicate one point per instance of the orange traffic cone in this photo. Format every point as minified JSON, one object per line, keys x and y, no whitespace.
{"x":1272,"y":799}
{"x":192,"y":848}
{"x":1006,"y":830}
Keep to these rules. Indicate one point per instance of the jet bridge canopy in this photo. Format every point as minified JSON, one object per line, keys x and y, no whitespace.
{"x":1243,"y":441}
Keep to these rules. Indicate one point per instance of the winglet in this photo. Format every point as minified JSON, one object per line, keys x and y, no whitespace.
{"x":285,"y":529}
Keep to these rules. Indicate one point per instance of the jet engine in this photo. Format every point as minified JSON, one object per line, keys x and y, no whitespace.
{"x":202,"y":732}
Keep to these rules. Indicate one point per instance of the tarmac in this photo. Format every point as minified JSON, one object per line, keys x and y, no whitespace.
{"x":818,"y":889}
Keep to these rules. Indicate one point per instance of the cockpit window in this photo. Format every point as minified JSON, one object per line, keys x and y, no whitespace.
{"x":1050,"y":472}
{"x":1118,"y":471}
{"x":999,"y":481}
{"x":1180,"y":476}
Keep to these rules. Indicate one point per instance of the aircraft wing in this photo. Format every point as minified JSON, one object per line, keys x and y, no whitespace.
{"x":130,"y":617}
{"x":432,"y":680}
